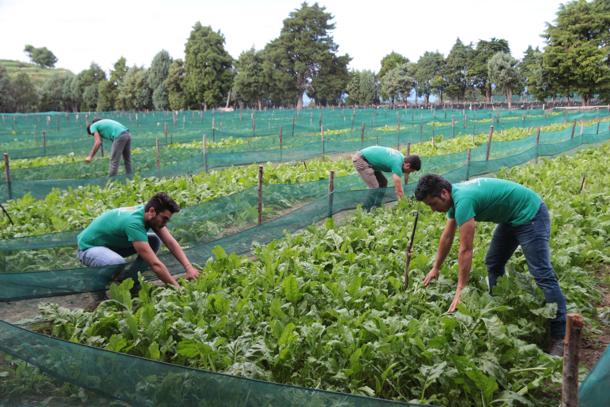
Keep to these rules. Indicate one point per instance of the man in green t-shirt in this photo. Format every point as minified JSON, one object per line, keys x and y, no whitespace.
{"x":522,"y":220}
{"x":372,"y":161}
{"x":120,"y":137}
{"x":121,"y":232}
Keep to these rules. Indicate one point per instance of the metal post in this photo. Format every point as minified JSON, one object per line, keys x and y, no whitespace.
{"x":7,"y":173}
{"x":331,"y":193}
{"x":260,"y":194}
{"x":491,"y":133}
{"x":569,"y":388}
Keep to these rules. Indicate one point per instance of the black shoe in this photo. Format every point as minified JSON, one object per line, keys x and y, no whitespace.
{"x":556,"y":347}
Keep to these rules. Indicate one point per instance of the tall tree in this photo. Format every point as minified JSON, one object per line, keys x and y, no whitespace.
{"x":176,"y":95}
{"x":51,"y":93}
{"x":157,"y":74}
{"x":297,"y":57}
{"x":87,"y":86}
{"x":502,"y":71}
{"x":391,"y":61}
{"x":109,"y":90}
{"x":397,"y":83}
{"x":578,"y":45}
{"x":7,"y":103}
{"x":480,"y":58}
{"x":535,"y":77}
{"x":249,"y":84}
{"x":457,"y":70}
{"x":24,"y":93}
{"x":208,"y":67}
{"x":362,"y":88}
{"x":41,"y":56}
{"x":428,"y":73}
{"x":134,"y":93}
{"x":329,"y":86}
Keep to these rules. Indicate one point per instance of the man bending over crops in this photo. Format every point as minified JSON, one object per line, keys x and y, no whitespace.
{"x":121,"y":232}
{"x":121,"y":143}
{"x":371,"y":161}
{"x":522,"y":219}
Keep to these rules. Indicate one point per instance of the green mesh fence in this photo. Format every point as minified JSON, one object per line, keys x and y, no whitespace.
{"x":301,"y":139}
{"x":595,"y":389}
{"x":144,"y":382}
{"x":205,"y":226}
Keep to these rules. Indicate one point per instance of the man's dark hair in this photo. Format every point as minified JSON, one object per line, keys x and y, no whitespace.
{"x":431,"y":185}
{"x":97,"y":119}
{"x":413,"y":161}
{"x":161,"y":201}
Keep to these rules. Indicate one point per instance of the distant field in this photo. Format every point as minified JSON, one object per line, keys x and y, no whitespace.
{"x":37,"y":74}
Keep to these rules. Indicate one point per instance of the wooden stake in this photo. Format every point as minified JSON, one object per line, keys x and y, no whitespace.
{"x":165,"y":131}
{"x":331,"y":190}
{"x":468,"y":154}
{"x":281,"y":144}
{"x":322,"y":134}
{"x":362,"y":135}
{"x":537,"y":144}
{"x":569,"y":388}
{"x":205,"y":153}
{"x":491,"y":133}
{"x":7,"y":173}
{"x":44,"y":142}
{"x":573,"y":128}
{"x":260,"y":194}
{"x":158,"y":155}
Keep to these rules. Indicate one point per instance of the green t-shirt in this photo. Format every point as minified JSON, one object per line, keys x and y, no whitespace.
{"x":493,"y":200}
{"x":108,"y":129}
{"x":384,"y":159}
{"x":115,"y":229}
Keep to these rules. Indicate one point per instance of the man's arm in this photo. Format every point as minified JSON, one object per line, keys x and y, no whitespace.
{"x":148,"y":255}
{"x":464,"y":260}
{"x":444,"y":245}
{"x":175,"y":248}
{"x":97,"y":143}
{"x":398,"y":186}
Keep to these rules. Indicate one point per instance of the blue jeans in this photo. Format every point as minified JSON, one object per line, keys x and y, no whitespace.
{"x":533,"y":237}
{"x":100,"y":256}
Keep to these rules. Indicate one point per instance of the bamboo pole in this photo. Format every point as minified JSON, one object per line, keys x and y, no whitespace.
{"x":569,"y":388}
{"x":260,"y":194}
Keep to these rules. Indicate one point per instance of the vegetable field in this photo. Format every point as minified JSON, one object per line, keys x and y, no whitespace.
{"x":323,"y":308}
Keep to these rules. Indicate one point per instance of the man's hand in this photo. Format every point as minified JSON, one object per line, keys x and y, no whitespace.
{"x":191,"y":273}
{"x":456,"y":301}
{"x":88,"y":159}
{"x":432,"y":275}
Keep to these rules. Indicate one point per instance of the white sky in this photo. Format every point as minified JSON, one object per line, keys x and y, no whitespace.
{"x":81,"y":32}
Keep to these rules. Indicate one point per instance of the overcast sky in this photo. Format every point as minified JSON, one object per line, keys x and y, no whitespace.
{"x":81,"y":32}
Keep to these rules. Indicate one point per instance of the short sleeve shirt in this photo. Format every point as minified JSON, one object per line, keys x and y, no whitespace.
{"x":493,"y":200}
{"x":384,"y":159}
{"x":115,"y":229}
{"x":108,"y":129}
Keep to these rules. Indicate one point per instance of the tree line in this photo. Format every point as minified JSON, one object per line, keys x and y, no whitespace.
{"x":305,"y":60}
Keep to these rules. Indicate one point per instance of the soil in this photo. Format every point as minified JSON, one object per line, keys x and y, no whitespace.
{"x":594,"y":343}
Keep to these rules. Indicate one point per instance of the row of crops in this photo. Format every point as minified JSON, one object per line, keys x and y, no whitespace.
{"x":323,"y":308}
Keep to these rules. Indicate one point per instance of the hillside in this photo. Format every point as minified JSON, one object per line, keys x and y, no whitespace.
{"x":37,"y":74}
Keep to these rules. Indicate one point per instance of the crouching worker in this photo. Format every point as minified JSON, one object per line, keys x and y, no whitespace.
{"x":122,"y":232}
{"x":522,"y":220}
{"x":371,"y":162}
